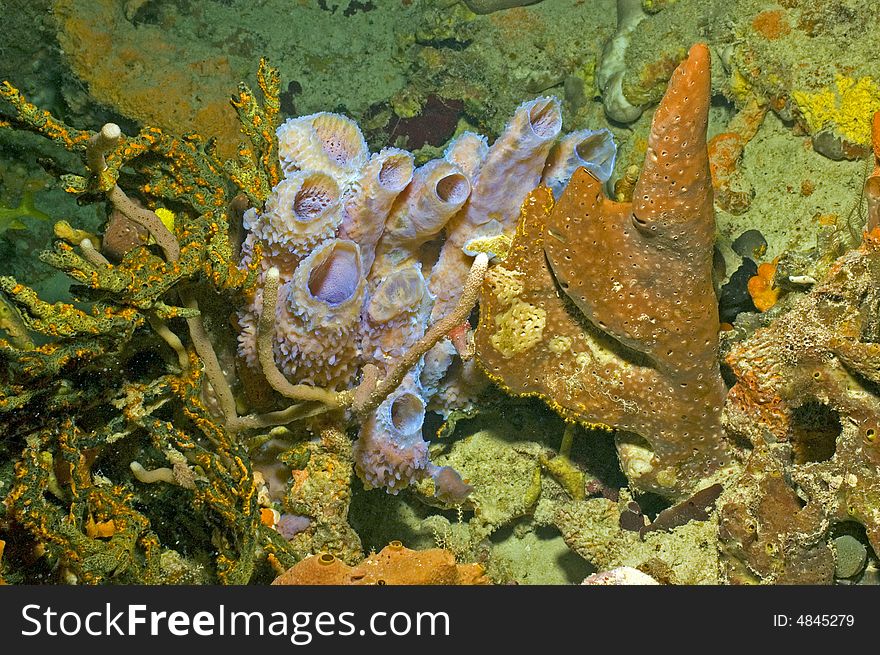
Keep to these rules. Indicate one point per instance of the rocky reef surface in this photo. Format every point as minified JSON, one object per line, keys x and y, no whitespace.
{"x":247,"y":349}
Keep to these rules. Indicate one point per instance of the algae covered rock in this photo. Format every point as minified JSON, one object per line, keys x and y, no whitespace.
{"x":850,"y":556}
{"x":687,"y":554}
{"x":321,"y":490}
{"x":506,"y":478}
{"x":810,"y":62}
{"x":805,"y":398}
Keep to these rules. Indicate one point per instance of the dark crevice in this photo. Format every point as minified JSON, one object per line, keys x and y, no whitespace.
{"x":814,"y":431}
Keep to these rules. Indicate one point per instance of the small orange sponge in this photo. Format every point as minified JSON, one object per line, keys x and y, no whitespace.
{"x":761,"y":288}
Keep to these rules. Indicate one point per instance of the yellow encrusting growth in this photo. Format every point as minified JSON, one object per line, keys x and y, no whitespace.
{"x":496,"y":246}
{"x":519,"y":328}
{"x":847,"y":106}
{"x":167,"y":218}
{"x":559,"y":344}
{"x":505,"y":283}
{"x":740,"y":87}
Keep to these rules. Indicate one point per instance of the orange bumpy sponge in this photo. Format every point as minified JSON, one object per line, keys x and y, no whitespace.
{"x":607,"y":310}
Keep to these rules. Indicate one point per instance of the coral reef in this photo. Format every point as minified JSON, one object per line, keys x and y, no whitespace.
{"x":503,"y":175}
{"x":805,"y":399}
{"x":766,"y":534}
{"x":165,"y":398}
{"x":254,"y":313}
{"x":342,"y":236}
{"x":632,"y":355}
{"x":725,"y":151}
{"x":147,"y":82}
{"x":330,"y":335}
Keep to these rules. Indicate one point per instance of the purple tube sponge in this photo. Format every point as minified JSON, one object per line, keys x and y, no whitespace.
{"x":390,"y":451}
{"x":438,"y":190}
{"x":319,"y":314}
{"x":369,"y":200}
{"x":595,"y":150}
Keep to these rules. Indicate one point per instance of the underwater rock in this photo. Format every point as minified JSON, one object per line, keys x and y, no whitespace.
{"x":318,"y":495}
{"x":622,"y":575}
{"x":766,"y":533}
{"x":751,"y":244}
{"x":686,"y":555}
{"x":806,"y":383}
{"x":695,"y":508}
{"x":850,"y":556}
{"x":506,"y":480}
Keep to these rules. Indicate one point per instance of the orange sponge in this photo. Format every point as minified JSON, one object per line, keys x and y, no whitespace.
{"x":761,"y":288}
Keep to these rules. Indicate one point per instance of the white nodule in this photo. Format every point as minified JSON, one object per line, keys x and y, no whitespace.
{"x":111,"y":131}
{"x":801,"y":279}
